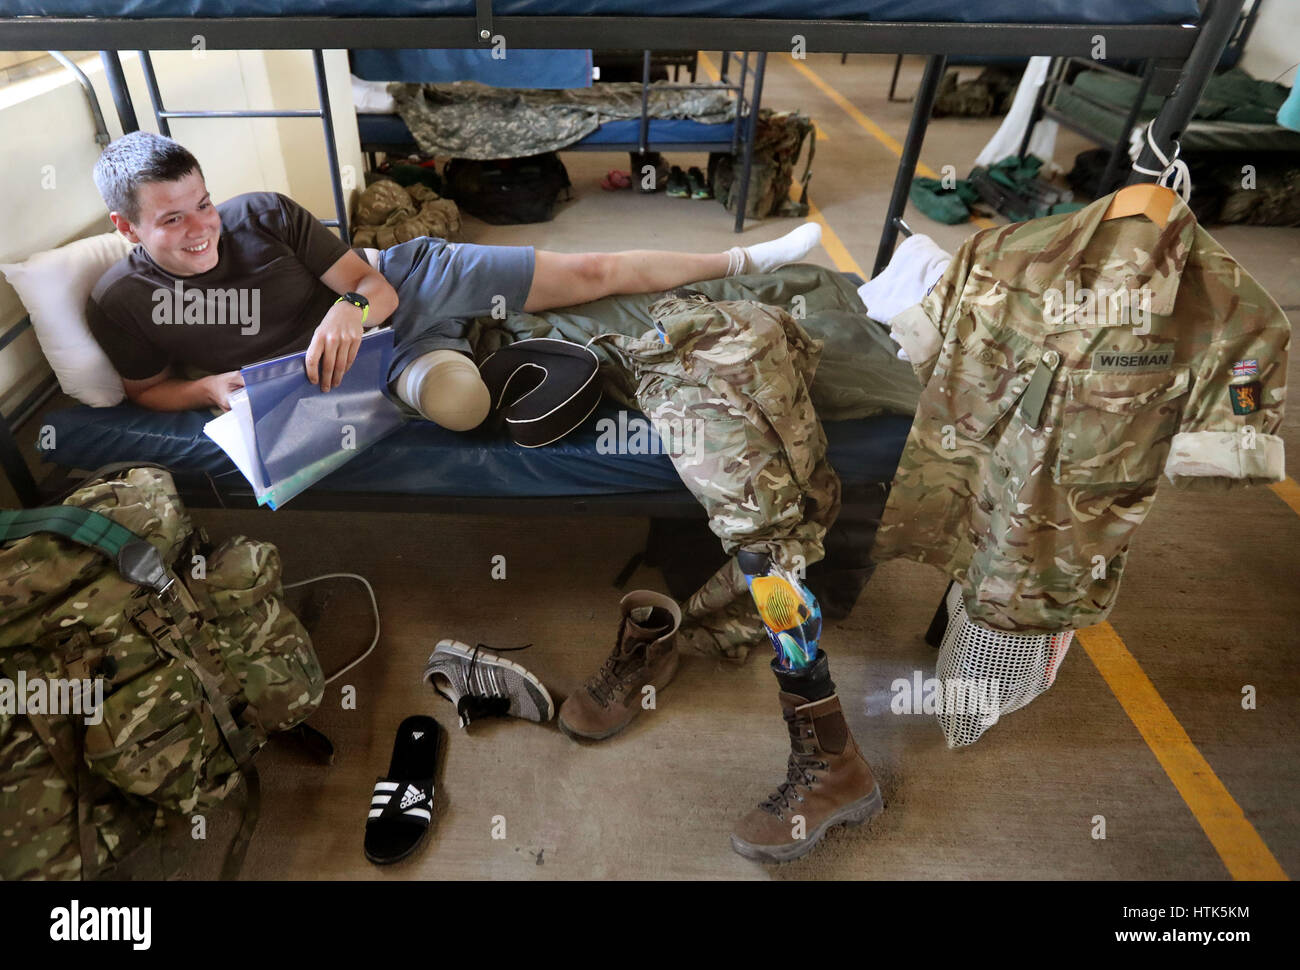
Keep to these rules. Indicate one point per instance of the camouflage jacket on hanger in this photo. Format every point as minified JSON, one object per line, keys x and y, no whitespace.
{"x":1068,"y":362}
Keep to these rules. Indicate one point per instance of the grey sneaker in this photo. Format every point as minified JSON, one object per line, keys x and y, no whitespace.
{"x":482,"y":684}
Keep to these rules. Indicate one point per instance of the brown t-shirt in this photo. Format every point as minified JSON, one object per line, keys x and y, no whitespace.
{"x":262,"y":299}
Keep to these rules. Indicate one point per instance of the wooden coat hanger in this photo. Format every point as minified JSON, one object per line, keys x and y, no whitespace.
{"x":1143,"y":199}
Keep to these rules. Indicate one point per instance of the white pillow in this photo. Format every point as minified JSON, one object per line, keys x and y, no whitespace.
{"x":54,"y":286}
{"x":372,"y":97}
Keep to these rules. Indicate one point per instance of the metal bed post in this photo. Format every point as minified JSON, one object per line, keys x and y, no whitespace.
{"x":907,"y":162}
{"x":643,"y":133}
{"x":16,"y":470}
{"x":101,"y":129}
{"x":121,"y":93}
{"x":1220,"y":21}
{"x":11,"y":459}
{"x":1036,"y":115}
{"x":893,"y":80}
{"x":1120,"y":149}
{"x":331,"y":147}
{"x":751,"y":130}
{"x":155,"y":96}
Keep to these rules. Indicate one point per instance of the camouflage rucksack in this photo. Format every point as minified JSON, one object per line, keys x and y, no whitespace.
{"x":777,"y":144}
{"x":195,"y":653}
{"x":388,"y":214}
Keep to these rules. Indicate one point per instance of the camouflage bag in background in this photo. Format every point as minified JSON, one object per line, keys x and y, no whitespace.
{"x":388,"y":213}
{"x":198,"y":661}
{"x":777,"y":145}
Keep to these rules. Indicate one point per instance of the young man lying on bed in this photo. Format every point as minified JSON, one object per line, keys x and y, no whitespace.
{"x":284,"y":283}
{"x":313,"y":292}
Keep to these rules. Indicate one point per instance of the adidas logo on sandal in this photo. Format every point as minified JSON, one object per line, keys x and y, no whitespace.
{"x":412,"y":796}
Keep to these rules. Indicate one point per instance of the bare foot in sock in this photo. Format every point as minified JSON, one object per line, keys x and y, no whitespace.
{"x":767,"y":256}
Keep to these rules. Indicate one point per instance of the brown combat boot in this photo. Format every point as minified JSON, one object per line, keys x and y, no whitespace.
{"x":645,"y":653}
{"x":828,"y":782}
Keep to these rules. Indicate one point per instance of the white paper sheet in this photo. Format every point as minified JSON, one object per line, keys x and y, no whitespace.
{"x":233,"y":433}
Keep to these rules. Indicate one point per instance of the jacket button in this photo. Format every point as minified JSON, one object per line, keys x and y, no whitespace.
{"x":1051,"y":358}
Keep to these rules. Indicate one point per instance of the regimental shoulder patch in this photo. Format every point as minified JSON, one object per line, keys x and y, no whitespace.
{"x":1115,"y":361}
{"x":1245,"y":397}
{"x":1246,"y":368}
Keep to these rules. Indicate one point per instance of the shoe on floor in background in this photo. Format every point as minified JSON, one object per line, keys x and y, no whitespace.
{"x":482,"y":684}
{"x":660,"y":171}
{"x":401,"y":806}
{"x":615,"y":180}
{"x":678,"y":188}
{"x":698,"y":184}
{"x":645,"y":654}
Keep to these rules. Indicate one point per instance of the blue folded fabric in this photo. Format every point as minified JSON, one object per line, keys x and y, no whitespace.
{"x":304,"y":433}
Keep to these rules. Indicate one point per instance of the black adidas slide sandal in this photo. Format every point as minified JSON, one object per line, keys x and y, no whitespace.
{"x":402,"y":805}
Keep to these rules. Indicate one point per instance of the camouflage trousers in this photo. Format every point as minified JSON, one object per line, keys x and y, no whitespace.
{"x":727,"y":390}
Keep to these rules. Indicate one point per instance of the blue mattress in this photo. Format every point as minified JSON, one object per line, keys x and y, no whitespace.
{"x":522,"y":69}
{"x":423,"y":459}
{"x":389,"y":129}
{"x":917,"y":11}
{"x":663,"y":131}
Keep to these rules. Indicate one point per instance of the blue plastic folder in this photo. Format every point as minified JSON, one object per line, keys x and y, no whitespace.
{"x":304,"y":433}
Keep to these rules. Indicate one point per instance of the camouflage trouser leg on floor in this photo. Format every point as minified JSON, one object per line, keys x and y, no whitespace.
{"x":728,"y":395}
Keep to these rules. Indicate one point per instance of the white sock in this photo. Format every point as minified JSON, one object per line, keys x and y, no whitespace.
{"x":767,"y":256}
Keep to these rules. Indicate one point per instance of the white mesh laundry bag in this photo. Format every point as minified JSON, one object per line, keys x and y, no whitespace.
{"x":986,"y":673}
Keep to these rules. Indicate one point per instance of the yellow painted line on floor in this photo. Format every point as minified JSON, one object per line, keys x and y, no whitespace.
{"x":1289,"y":492}
{"x":852,"y":110}
{"x":835,"y":248}
{"x":715,"y":75}
{"x":710,"y":69}
{"x":1235,"y":840}
{"x":870,"y":127}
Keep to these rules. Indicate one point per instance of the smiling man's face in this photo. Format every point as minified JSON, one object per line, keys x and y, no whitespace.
{"x":178,"y":225}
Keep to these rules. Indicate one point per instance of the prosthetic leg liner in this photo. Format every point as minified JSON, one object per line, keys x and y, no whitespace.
{"x":543,"y":388}
{"x":812,"y":683}
{"x":445,"y":387}
{"x":986,"y":673}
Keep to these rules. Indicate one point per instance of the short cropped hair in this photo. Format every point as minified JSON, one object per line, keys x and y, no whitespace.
{"x":135,"y":159}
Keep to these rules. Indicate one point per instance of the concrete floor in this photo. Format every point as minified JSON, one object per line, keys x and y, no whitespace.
{"x":1209,"y":604}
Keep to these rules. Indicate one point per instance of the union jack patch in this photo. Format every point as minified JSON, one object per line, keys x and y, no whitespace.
{"x":1245,"y":368}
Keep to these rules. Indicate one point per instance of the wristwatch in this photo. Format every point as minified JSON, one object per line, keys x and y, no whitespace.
{"x":358,"y":301}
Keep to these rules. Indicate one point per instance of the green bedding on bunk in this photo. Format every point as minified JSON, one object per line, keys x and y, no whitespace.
{"x":1231,"y":96}
{"x":1236,"y":113}
{"x":1201,"y":136}
{"x":859,"y":375}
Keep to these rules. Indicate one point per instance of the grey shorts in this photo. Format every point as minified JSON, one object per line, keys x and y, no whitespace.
{"x":442,"y":286}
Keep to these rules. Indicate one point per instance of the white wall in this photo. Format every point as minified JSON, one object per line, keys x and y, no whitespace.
{"x":48,"y":148}
{"x":1274,"y":45}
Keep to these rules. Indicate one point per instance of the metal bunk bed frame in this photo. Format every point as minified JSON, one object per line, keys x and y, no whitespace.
{"x":1197,"y":47}
{"x":1154,"y":76}
{"x":743,"y":128}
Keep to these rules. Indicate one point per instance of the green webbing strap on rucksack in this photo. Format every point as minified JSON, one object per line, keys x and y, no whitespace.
{"x":136,"y":560}
{"x":84,"y":526}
